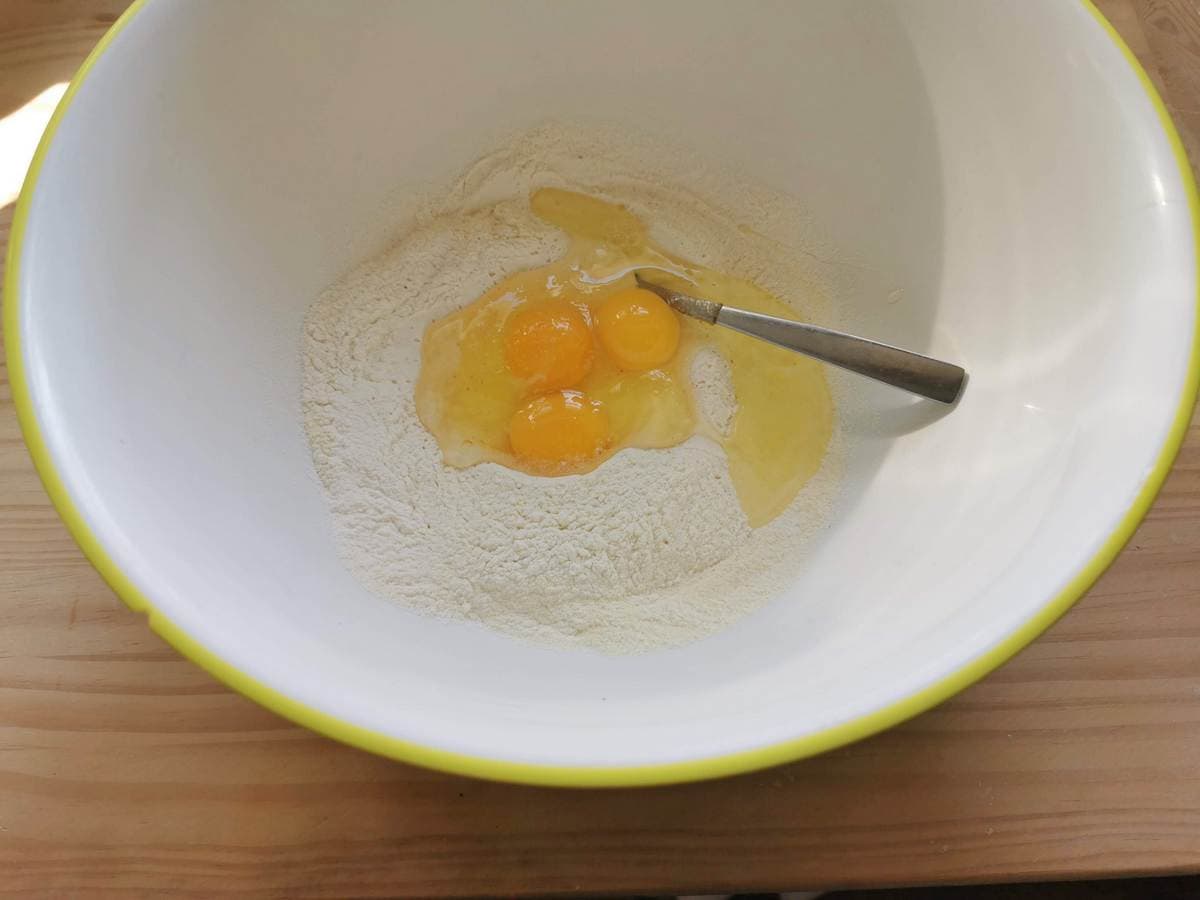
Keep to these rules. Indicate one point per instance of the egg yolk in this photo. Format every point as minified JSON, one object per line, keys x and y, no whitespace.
{"x":555,"y":369}
{"x":637,"y":329}
{"x":549,"y":345}
{"x":559,"y":427}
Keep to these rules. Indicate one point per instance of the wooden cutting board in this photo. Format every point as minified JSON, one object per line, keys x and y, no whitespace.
{"x":126,"y":770}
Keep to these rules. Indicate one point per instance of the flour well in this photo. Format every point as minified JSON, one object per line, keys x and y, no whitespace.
{"x":652,"y":548}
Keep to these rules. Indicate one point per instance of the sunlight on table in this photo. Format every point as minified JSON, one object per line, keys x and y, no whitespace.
{"x":20,"y":132}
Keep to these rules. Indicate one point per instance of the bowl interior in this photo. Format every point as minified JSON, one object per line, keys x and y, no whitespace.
{"x":1001,"y":171}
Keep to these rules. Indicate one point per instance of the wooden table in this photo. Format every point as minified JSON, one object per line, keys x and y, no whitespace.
{"x":125,"y":769}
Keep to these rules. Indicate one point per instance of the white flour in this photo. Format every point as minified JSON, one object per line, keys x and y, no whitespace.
{"x":649,"y":550}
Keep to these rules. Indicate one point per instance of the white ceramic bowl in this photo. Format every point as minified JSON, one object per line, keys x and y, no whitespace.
{"x":1009,"y":168}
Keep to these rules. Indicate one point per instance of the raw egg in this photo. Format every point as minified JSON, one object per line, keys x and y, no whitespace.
{"x":637,"y":329}
{"x":549,"y":345}
{"x":557,"y":368}
{"x":559,"y":429}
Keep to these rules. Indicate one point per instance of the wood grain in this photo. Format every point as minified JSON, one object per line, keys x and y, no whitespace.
{"x":1172,"y":38}
{"x":44,"y":42}
{"x":125,"y":770}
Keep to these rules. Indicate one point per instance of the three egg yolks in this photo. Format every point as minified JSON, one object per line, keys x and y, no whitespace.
{"x":550,"y":346}
{"x":555,"y":369}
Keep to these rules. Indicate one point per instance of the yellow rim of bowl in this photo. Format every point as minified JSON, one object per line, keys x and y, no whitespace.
{"x":570,"y":776}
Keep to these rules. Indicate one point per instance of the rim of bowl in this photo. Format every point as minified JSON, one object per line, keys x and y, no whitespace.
{"x":566,"y":775}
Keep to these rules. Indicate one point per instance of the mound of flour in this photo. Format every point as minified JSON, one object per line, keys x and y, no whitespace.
{"x":649,"y":550}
